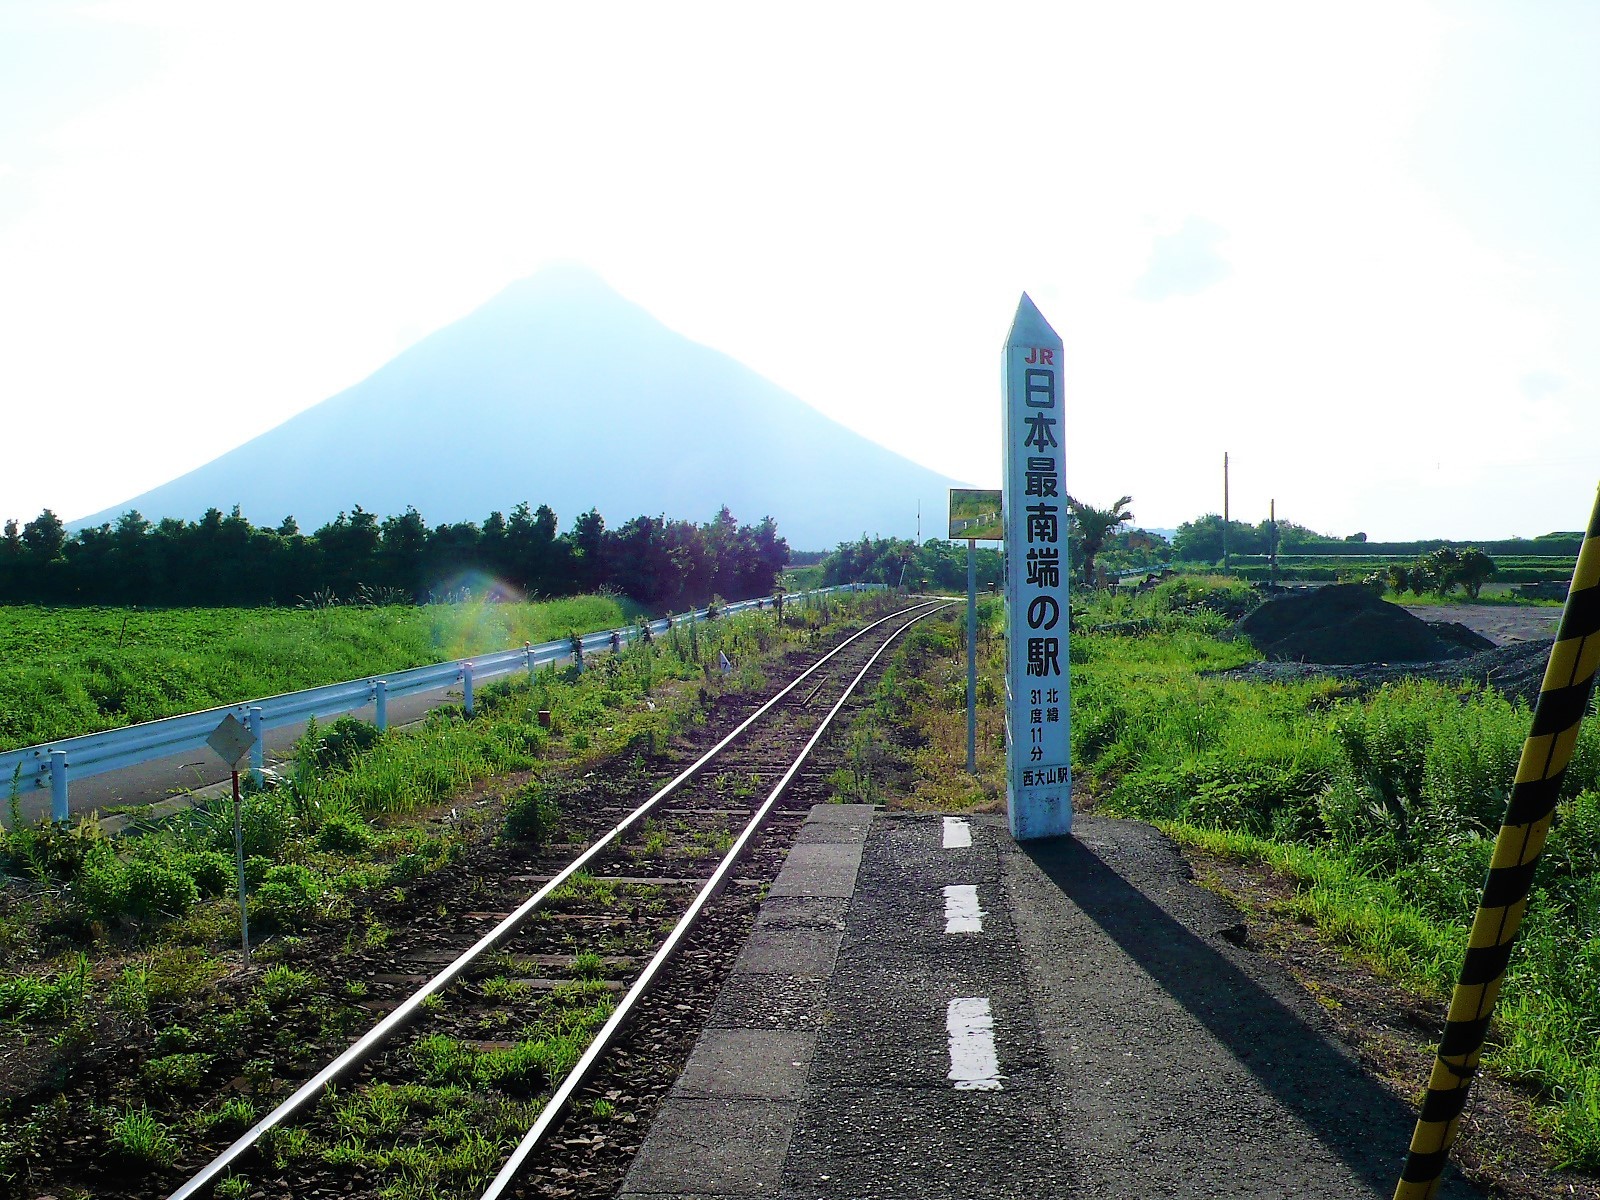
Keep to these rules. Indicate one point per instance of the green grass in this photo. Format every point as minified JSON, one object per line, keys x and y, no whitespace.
{"x":139,"y":1137}
{"x":46,"y":998}
{"x":69,"y":671}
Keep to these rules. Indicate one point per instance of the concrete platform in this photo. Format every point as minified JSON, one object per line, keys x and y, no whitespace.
{"x":921,"y":1018}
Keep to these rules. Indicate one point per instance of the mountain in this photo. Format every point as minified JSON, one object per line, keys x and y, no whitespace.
{"x":558,"y":391}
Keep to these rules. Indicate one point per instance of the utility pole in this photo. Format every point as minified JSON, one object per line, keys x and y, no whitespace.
{"x":1272,"y":543}
{"x":1224,"y":512}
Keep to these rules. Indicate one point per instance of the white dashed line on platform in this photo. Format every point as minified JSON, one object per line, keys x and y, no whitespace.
{"x":961,"y":911}
{"x":957,"y":834}
{"x":973,"y":1064}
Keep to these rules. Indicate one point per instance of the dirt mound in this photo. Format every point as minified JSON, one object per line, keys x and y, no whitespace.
{"x":1347,"y":623}
{"x":1515,"y":671}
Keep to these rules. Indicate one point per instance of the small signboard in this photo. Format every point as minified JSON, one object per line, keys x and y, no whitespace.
{"x":231,"y":740}
{"x":975,"y":514}
{"x":1038,"y":740}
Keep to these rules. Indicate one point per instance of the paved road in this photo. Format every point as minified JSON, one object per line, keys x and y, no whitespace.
{"x":1060,"y":1020}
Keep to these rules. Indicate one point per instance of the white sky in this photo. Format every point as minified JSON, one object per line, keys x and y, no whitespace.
{"x":1353,"y":244}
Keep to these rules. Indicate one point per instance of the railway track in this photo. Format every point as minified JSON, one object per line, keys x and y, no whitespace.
{"x":554,"y":1012}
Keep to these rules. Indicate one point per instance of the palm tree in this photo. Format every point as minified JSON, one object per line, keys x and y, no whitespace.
{"x":1094,"y":524}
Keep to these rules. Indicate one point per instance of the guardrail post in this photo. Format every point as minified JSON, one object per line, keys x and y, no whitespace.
{"x":527,"y":658}
{"x":253,"y":720}
{"x":466,"y":687}
{"x":58,"y":786}
{"x":380,"y":704}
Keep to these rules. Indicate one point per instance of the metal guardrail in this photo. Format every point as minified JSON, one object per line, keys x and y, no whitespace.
{"x":54,"y":764}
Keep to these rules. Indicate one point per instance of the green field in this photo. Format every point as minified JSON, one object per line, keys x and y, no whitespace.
{"x":68,"y":671}
{"x":1326,"y":568}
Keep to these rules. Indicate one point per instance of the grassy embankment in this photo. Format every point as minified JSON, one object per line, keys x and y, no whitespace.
{"x":119,"y":977}
{"x":68,"y":671}
{"x":1380,"y":811}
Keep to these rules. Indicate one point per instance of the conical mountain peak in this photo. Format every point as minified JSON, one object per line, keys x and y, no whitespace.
{"x":560,"y":391}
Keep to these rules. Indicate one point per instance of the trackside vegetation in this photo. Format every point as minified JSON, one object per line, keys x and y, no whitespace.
{"x":134,"y":1035}
{"x":1378,"y":808}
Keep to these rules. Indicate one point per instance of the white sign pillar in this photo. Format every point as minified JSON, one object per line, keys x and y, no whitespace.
{"x":1038,"y":738}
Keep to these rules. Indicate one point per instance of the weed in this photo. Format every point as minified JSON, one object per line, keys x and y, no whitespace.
{"x":531,"y":815}
{"x":176,"y":1072}
{"x":140,"y":1138}
{"x":507,"y":991}
{"x":36,"y":998}
{"x":289,"y":898}
{"x":283,"y":985}
{"x":284,"y":1145}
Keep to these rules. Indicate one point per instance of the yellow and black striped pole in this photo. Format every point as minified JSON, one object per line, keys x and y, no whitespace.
{"x":1563,"y":700}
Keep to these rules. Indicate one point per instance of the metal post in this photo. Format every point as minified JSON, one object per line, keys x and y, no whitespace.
{"x":58,"y":786}
{"x":238,"y":858}
{"x":972,"y":656}
{"x":380,"y":704}
{"x":1272,"y":544}
{"x":253,"y":720}
{"x":527,"y":657}
{"x":466,"y":687}
{"x":1224,"y":512}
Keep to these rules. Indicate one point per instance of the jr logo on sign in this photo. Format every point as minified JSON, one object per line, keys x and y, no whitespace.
{"x":1038,"y":354}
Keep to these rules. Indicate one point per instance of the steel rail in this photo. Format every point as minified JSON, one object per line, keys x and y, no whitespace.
{"x":380,"y":1033}
{"x":556,"y":1105}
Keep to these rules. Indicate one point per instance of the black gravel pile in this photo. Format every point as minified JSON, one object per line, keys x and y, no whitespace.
{"x":1347,"y":623}
{"x":1515,"y":670}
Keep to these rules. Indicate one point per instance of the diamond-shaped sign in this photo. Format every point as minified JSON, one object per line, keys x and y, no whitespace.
{"x":231,"y":740}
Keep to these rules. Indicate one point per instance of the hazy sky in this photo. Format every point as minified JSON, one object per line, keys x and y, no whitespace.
{"x":1354,"y":244}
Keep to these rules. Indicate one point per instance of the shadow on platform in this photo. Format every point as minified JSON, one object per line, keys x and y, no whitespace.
{"x":1353,"y":1116}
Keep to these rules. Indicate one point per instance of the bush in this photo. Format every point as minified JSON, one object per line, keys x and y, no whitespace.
{"x":344,"y":742}
{"x":159,"y":887}
{"x":266,"y":823}
{"x":345,"y":834}
{"x":149,"y":885}
{"x":211,"y":870}
{"x":531,"y":815}
{"x":49,"y":851}
{"x":289,"y":899}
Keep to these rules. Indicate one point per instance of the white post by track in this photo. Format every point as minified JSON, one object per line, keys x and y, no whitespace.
{"x":1038,"y":740}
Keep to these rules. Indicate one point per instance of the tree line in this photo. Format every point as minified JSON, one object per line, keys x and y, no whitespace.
{"x":1200,"y":541}
{"x":226,"y":560}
